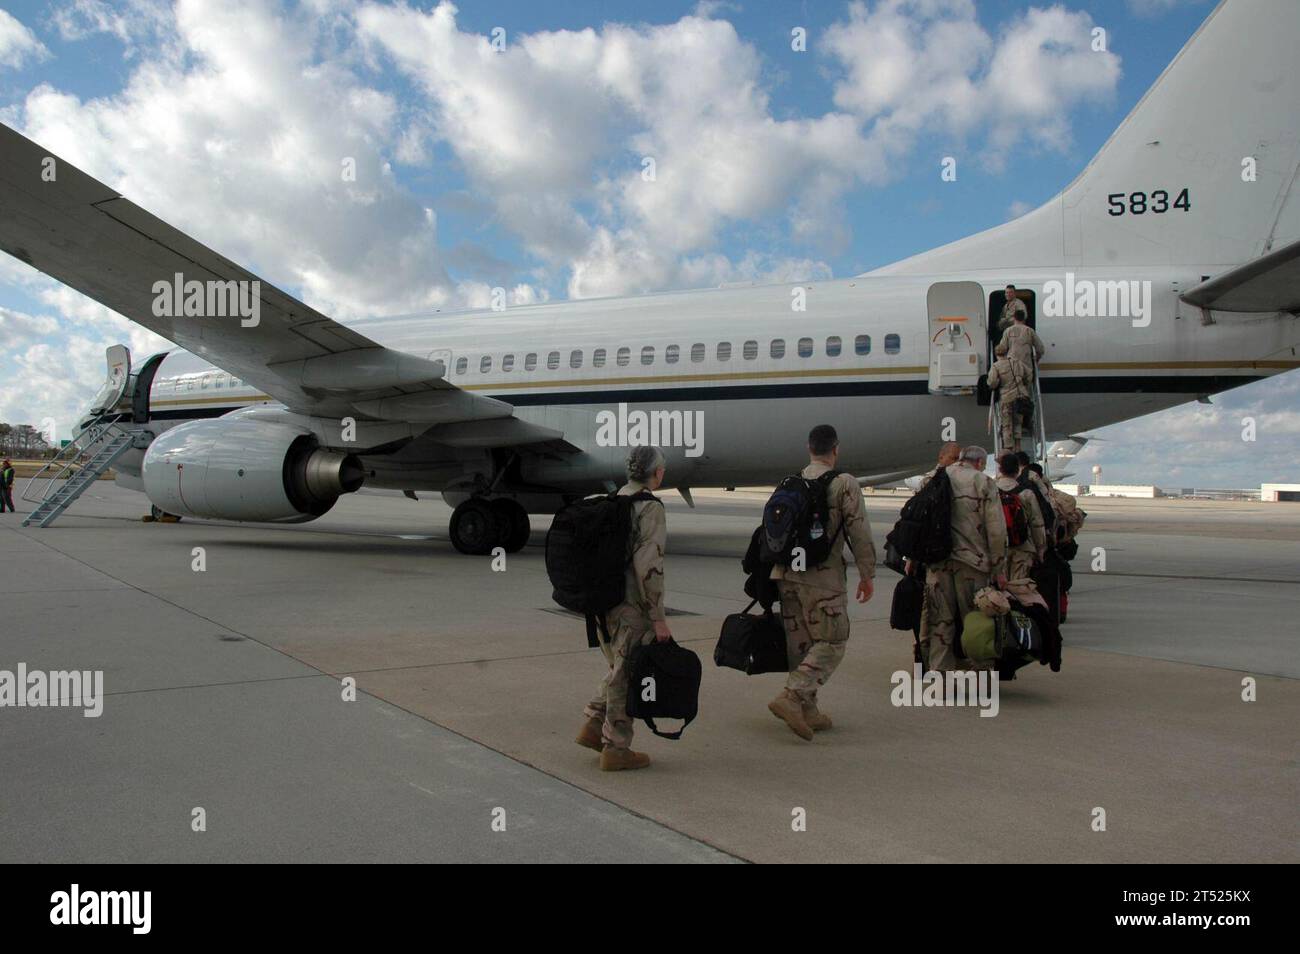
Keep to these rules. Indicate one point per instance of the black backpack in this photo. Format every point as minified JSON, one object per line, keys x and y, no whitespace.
{"x":924,"y":528}
{"x":797,"y":515}
{"x":587,"y":554}
{"x":1045,"y":508}
{"x":670,"y":675}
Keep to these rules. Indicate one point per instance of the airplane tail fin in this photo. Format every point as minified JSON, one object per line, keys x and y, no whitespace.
{"x":1202,"y":172}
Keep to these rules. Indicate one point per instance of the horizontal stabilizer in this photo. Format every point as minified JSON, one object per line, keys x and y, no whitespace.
{"x":1270,"y":283}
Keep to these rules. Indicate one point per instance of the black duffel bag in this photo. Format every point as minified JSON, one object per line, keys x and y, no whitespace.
{"x":663,"y":683}
{"x":753,"y":643}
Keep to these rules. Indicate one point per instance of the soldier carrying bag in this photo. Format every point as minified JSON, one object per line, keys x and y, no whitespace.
{"x":587,"y":554}
{"x":663,"y":682}
{"x":752,"y":643}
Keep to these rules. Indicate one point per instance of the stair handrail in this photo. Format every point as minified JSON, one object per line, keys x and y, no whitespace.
{"x":69,"y":457}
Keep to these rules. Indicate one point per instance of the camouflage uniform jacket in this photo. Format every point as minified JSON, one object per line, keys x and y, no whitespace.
{"x":1009,"y":379}
{"x":646,"y":543}
{"x":848,"y":520}
{"x":979,"y":531}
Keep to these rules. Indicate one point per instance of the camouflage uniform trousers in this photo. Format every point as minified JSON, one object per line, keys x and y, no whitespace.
{"x":816,"y":632}
{"x":950,"y":589}
{"x":1009,"y":425}
{"x":628,"y":628}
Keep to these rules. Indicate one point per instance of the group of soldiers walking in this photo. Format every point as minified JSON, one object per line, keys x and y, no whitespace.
{"x":814,"y":600}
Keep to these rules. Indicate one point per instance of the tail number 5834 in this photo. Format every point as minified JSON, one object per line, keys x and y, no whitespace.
{"x":1140,"y":203}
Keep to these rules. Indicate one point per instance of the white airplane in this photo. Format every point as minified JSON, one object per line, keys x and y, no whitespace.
{"x":1183,"y":229}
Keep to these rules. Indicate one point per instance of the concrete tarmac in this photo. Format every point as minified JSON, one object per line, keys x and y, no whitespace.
{"x":224,"y":692}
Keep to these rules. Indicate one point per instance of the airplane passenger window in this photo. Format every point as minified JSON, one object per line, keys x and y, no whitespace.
{"x":862,"y":344}
{"x":553,"y":360}
{"x":575,"y":359}
{"x":598,"y":358}
{"x":805,"y":347}
{"x":724,"y":351}
{"x":485,"y":364}
{"x":749,"y":350}
{"x":461,"y":365}
{"x":697,"y":353}
{"x":671,"y":354}
{"x":648,"y":354}
{"x":778,"y":348}
{"x":623,"y":357}
{"x":892,"y":344}
{"x":508,"y":363}
{"x":833,"y":345}
{"x":530,"y":362}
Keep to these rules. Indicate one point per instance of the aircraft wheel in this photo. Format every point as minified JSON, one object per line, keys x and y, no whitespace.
{"x":514,"y":526}
{"x":474,"y":527}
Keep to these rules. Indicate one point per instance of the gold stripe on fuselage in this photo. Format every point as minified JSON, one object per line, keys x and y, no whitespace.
{"x":506,"y":386}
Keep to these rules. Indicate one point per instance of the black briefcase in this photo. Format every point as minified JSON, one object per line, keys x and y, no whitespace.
{"x":753,"y":643}
{"x":663,"y":683}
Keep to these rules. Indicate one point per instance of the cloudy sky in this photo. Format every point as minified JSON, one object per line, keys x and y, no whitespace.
{"x":477,"y":168}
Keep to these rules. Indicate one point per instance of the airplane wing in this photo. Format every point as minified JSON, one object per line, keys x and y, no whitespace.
{"x":1269,"y":283}
{"x":79,"y":231}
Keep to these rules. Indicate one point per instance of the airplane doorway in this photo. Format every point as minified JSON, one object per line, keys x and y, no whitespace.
{"x":997,"y":300}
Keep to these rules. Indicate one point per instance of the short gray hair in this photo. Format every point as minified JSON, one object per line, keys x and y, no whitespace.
{"x":974,"y":453}
{"x":643,"y":461}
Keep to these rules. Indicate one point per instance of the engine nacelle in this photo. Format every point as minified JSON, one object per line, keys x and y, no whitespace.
{"x":246,"y":470}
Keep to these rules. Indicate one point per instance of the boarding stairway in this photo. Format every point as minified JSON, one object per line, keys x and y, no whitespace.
{"x":77,"y":466}
{"x":1034,"y":444}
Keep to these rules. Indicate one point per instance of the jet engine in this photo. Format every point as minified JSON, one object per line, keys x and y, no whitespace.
{"x":233,"y":469}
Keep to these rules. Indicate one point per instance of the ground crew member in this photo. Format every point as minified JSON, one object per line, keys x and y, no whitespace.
{"x":814,"y":601}
{"x":1021,"y":557}
{"x":634,"y":622}
{"x":979,"y":544}
{"x":1012,"y":307}
{"x":1011,"y":380}
{"x":7,"y":486}
{"x":1023,"y":344}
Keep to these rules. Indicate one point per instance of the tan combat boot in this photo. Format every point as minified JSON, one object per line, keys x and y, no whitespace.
{"x":616,"y":760}
{"x":787,"y":708}
{"x":589,"y":736}
{"x":817,"y":720}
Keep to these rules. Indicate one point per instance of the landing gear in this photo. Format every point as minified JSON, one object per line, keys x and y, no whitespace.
{"x":158,"y":515}
{"x":478,"y":526}
{"x":474,"y":527}
{"x":513,"y":526}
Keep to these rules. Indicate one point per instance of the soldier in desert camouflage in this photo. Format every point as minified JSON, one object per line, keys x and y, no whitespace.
{"x":979,"y":545}
{"x":1012,"y":382}
{"x":637,"y":620}
{"x":814,"y":602}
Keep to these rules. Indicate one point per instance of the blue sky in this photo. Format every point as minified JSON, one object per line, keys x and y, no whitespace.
{"x":228,"y":120}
